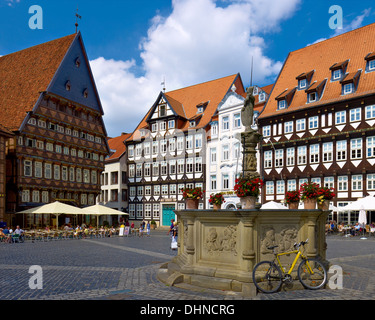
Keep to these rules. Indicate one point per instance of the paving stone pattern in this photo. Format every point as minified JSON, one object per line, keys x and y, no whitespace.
{"x":125,"y":268}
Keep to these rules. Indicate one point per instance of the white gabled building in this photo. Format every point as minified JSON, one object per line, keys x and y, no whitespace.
{"x":224,"y":148}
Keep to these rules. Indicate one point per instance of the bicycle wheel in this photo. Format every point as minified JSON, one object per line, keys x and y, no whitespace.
{"x":267,"y":277}
{"x":312,"y":274}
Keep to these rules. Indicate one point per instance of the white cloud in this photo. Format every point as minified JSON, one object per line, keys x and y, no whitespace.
{"x":198,"y":41}
{"x":355,"y":24}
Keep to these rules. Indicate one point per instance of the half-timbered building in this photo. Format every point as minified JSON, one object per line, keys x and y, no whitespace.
{"x":49,"y":100}
{"x":318,"y":124}
{"x":167,"y":151}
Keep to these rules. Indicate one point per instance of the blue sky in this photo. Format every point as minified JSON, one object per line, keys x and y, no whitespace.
{"x":133,"y":45}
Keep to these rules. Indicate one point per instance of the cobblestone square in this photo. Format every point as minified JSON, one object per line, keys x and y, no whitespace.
{"x":124,"y":268}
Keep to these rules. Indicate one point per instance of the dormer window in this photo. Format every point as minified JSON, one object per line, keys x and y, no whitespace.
{"x":350,"y":82}
{"x":68,"y":86}
{"x":370,"y":58}
{"x":262,"y":96}
{"x":304,"y":80}
{"x":348,"y":88}
{"x":281,"y":104}
{"x":192,"y":124}
{"x":201,"y":107}
{"x":339,"y":70}
{"x":337,"y":74}
{"x":315,"y":91}
{"x":284,"y":100}
{"x":312,"y":97}
{"x":302,"y":84}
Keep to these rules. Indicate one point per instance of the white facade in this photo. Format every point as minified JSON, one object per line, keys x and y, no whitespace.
{"x":224,"y":151}
{"x":114,"y":187}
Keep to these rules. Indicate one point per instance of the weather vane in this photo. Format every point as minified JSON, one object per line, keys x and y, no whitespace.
{"x":77,"y":17}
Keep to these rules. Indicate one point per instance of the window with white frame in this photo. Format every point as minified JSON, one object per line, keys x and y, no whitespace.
{"x":163,"y":126}
{"x":64,"y":173}
{"x":318,"y":181}
{"x":268,"y":159}
{"x":172,"y":167}
{"x":370,"y":112}
{"x":35,"y":196}
{"x":147,"y":190}
{"x":357,"y":182}
{"x":138,"y":172}
{"x":336,"y":74}
{"x":171,"y":124}
{"x":180,"y":165}
{"x":301,"y":182}
{"x":356,"y":148}
{"x":45,"y":196}
{"x":225,"y":181}
{"x":48,"y":171}
{"x":25,"y":195}
{"x":314,"y":153}
{"x":340,"y":117}
{"x":288,"y":127}
{"x":214,"y":129}
{"x":138,"y":150}
{"x":189,"y":165}
{"x":355,"y":114}
{"x":281,"y":104}
{"x":290,"y":156}
{"x":79,"y":175}
{"x":348,"y":88}
{"x":140,"y":191}
{"x":148,"y":210}
{"x":147,"y":171}
{"x":327,"y":152}
{"x":155,"y":169}
{"x":163,"y":146}
{"x":156,"y":190}
{"x":237,"y":120}
{"x":198,"y":141}
{"x":313,"y":122}
{"x":270,"y":187}
{"x":370,"y":141}
{"x":213,"y":157}
{"x":279,"y":157}
{"x":172,"y":145}
{"x":172,"y":189}
{"x":164,"y":168}
{"x":38,"y":166}
{"x":341,"y":150}
{"x":131,"y":171}
{"x":154,"y":127}
{"x":225,"y":123}
{"x":302,"y":155}
{"x":189,"y":142}
{"x":301,"y":125}
{"x":180,"y":143}
{"x":266,"y":131}
{"x":329,"y":182}
{"x":180,"y":188}
{"x":370,"y":178}
{"x":156,"y":210}
{"x":236,"y":150}
{"x":139,"y":210}
{"x":280,"y":187}
{"x":226,"y":152}
{"x":198,"y":164}
{"x":147,"y":148}
{"x":292,"y":185}
{"x":155,"y":147}
{"x":132,"y":210}
{"x":213,"y":182}
{"x":56,"y":172}
{"x":342,"y":183}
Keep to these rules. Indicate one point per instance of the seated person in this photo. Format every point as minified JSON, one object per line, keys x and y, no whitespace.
{"x":340,"y":228}
{"x":356,"y":229}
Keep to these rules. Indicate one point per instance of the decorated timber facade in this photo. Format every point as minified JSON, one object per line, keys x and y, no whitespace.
{"x":60,"y":143}
{"x":318,"y":124}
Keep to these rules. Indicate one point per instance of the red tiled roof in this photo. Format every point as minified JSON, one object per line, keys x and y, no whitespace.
{"x":26,"y":73}
{"x":117,"y":145}
{"x":353,"y":46}
{"x":185,"y":101}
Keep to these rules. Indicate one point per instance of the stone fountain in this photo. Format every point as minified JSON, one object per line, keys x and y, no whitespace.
{"x":219,"y":249}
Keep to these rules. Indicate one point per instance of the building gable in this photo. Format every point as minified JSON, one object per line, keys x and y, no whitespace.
{"x":74,"y":79}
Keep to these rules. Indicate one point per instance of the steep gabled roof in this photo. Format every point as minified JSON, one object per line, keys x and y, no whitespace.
{"x":24,"y":75}
{"x":185,"y":101}
{"x":347,"y":51}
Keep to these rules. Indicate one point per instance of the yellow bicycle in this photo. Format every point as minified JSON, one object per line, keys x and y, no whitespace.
{"x":268,"y":276}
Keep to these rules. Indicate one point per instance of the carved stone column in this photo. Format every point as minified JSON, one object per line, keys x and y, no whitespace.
{"x":250,"y":140}
{"x":248,"y":253}
{"x":311,"y":232}
{"x":190,"y":247}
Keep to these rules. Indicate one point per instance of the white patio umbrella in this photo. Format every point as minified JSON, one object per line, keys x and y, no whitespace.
{"x":273,"y":205}
{"x":56,"y":208}
{"x":100,"y":210}
{"x":367,"y":204}
{"x":362,"y":220}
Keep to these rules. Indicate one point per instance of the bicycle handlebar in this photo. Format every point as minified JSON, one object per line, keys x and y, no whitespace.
{"x":302,"y":243}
